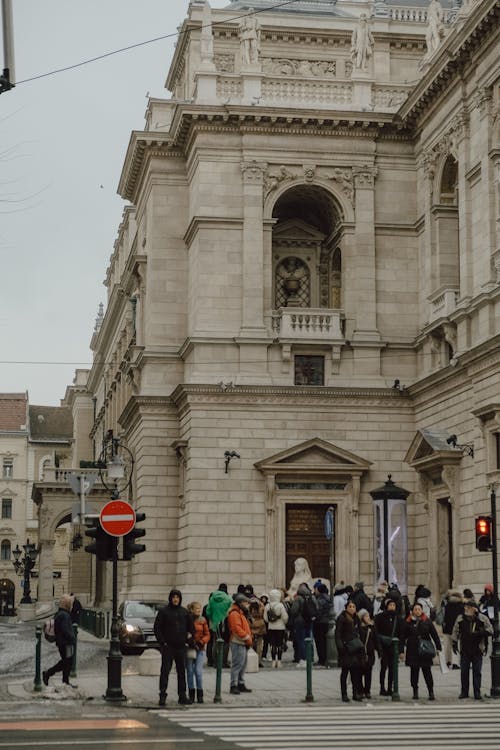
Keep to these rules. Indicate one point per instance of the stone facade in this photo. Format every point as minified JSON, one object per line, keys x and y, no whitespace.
{"x":308,"y":276}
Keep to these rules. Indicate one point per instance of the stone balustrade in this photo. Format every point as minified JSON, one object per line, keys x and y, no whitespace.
{"x":443,"y":304}
{"x":308,"y":324}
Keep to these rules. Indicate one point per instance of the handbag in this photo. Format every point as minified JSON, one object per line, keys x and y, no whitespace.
{"x":191,"y":653}
{"x":354,"y":646}
{"x":426,"y":648}
{"x":385,"y":640}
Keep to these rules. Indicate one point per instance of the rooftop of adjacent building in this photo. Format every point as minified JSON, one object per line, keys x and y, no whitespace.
{"x":13,"y":412}
{"x":50,"y":423}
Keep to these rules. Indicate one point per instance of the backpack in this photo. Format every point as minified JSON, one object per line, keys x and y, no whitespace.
{"x":272,"y":615}
{"x":49,"y":630}
{"x":309,"y":610}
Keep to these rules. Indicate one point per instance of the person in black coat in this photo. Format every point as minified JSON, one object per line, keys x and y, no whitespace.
{"x":418,"y":627}
{"x":65,"y":642}
{"x":173,"y":629}
{"x":360,"y":599}
{"x":452,"y":606}
{"x":322,"y":621}
{"x":368,"y":656}
{"x":388,"y":625}
{"x":351,"y":662}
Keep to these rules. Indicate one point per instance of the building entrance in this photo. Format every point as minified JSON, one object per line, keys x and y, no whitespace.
{"x":7,"y":592}
{"x":305,"y":537}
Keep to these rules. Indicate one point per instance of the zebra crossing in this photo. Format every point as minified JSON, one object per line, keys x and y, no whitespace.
{"x":404,"y":726}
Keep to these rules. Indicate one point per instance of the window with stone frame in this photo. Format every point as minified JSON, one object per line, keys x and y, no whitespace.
{"x":6,"y":507}
{"x":309,"y":370}
{"x":5,"y":550}
{"x":8,"y":468}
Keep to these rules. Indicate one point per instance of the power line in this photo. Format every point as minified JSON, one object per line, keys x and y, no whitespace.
{"x":149,"y":41}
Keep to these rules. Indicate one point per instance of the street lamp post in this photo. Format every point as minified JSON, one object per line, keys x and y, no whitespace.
{"x":23,"y":567}
{"x":495,"y":651}
{"x":119,"y":462}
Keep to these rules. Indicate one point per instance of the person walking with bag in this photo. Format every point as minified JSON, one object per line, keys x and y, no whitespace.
{"x":196,"y":652}
{"x":276,"y":617}
{"x":350,"y":650}
{"x":65,"y":642}
{"x":422,"y":642}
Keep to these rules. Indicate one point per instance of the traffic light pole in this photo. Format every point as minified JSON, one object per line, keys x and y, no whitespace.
{"x":495,"y":651}
{"x":114,"y":691}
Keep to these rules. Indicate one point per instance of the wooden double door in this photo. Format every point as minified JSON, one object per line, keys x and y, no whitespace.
{"x":305,"y":537}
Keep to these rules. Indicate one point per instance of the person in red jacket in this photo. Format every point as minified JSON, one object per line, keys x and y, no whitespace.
{"x":194,"y":660}
{"x":240,"y":642}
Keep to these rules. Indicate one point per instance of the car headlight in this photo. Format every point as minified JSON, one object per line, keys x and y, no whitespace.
{"x":131,"y":628}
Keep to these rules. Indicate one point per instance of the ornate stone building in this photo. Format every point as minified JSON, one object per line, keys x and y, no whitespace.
{"x":304,"y":296}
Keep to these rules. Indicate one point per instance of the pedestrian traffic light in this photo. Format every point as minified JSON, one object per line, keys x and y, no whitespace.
{"x":130,"y":548}
{"x":483,"y":533}
{"x":103,"y":545}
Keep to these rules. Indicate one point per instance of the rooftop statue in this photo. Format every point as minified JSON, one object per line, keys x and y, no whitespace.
{"x":435,"y":28}
{"x":362,"y":43}
{"x":250,"y":40}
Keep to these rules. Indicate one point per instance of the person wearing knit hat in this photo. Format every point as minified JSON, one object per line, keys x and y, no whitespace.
{"x":470,"y":636}
{"x":487,"y":603}
{"x":388,"y":625}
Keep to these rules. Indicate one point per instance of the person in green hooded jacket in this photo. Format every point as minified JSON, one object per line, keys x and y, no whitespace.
{"x":219,"y":603}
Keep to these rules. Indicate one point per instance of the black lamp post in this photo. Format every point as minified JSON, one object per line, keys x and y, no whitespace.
{"x":495,"y":651}
{"x":23,"y":567}
{"x":119,"y":463}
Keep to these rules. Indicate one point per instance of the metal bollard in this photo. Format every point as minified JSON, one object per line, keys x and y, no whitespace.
{"x":37,"y":683}
{"x":73,"y":661}
{"x":331,"y":647}
{"x":395,"y":679}
{"x":219,"y":647}
{"x":309,"y":660}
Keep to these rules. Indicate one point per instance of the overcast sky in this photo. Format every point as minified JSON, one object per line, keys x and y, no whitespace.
{"x":63,"y":141}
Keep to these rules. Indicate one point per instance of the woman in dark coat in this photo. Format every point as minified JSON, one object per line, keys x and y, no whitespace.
{"x":368,"y":640}
{"x":348,"y":629}
{"x":418,"y":626}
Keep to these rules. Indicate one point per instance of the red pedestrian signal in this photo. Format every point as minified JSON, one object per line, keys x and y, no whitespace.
{"x":483,"y":533}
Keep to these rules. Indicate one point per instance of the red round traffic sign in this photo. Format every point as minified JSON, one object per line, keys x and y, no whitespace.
{"x":117,"y":518}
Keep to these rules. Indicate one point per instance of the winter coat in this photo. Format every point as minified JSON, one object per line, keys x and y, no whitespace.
{"x":384,"y":625}
{"x":339,"y":602}
{"x":362,"y":601}
{"x":239,"y":627}
{"x":324,"y":607}
{"x":488,"y":602}
{"x":453,"y":606}
{"x":201,"y":635}
{"x":63,"y":627}
{"x":257,"y":622}
{"x":423,"y":597}
{"x":471,"y":634}
{"x":173,"y":624}
{"x":368,"y":639}
{"x":413,"y":629}
{"x":298,"y":615}
{"x":346,"y":629}
{"x":279,"y":608}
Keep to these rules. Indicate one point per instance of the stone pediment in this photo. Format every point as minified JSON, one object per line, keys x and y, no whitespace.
{"x":314,"y":456}
{"x":429,"y":450}
{"x":295,"y":229}
{"x":7,"y":531}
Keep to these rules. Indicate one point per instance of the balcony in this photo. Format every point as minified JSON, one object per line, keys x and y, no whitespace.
{"x":308,"y":325}
{"x":442,"y":304}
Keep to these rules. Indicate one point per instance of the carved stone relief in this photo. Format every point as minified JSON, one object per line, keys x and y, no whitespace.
{"x":224,"y":63}
{"x":304,"y":68}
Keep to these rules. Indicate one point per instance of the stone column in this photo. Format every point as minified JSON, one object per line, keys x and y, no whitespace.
{"x":45,"y":578}
{"x":364,"y":283}
{"x":484,"y":101}
{"x":271,"y":535}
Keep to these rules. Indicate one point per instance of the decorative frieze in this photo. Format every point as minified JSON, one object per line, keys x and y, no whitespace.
{"x":304,"y":68}
{"x":272,"y":181}
{"x":281,"y":90}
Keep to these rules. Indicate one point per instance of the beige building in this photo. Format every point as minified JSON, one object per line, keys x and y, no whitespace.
{"x":304,"y":297}
{"x":32,"y":439}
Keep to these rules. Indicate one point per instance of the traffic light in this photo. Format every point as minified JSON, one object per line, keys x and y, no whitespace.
{"x":103,"y":545}
{"x":130,"y":548}
{"x":483,"y":533}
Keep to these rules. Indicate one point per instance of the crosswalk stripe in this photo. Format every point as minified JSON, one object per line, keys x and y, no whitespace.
{"x":368,"y":726}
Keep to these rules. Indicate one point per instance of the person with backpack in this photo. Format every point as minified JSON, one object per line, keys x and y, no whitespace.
{"x":302,"y":614}
{"x":65,"y":642}
{"x":276,"y":617}
{"x":423,"y":597}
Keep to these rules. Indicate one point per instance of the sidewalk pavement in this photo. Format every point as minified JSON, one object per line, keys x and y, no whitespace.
{"x":270,"y":687}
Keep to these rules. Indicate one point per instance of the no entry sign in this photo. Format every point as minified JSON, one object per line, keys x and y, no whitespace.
{"x":117,"y":518}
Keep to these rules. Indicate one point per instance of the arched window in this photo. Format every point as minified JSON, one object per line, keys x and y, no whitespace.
{"x":447,"y":270}
{"x":5,"y":550}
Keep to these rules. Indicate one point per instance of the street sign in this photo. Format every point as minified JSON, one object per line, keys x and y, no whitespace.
{"x":76,"y":485}
{"x":117,"y":518}
{"x":328,"y":523}
{"x":76,"y":510}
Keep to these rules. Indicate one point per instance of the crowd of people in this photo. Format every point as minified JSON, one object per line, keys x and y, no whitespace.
{"x":387,"y":625}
